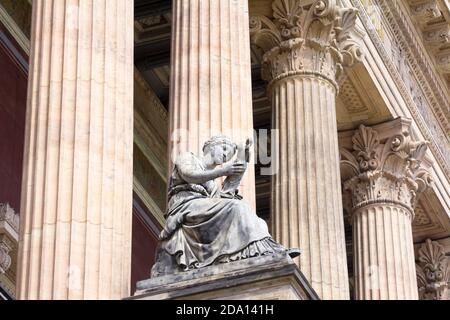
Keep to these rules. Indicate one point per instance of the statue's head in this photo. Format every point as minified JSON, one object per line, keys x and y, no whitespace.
{"x":220,"y":148}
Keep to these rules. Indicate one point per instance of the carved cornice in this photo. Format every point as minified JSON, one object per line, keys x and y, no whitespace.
{"x":433,"y":271}
{"x":16,"y":17}
{"x":421,"y":115}
{"x":389,"y":171}
{"x":5,"y":259}
{"x":9,"y":216}
{"x":9,"y":229}
{"x":151,"y":95}
{"x":435,"y":29}
{"x":425,"y":9}
{"x":312,"y":39}
{"x":421,"y":67}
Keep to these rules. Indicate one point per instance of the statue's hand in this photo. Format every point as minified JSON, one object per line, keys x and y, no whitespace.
{"x":163,"y":235}
{"x":248,"y":144}
{"x":234,"y":169}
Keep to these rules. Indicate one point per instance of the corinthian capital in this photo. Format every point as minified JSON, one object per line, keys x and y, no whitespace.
{"x":433,"y":271}
{"x":306,"y":37}
{"x":388,"y":170}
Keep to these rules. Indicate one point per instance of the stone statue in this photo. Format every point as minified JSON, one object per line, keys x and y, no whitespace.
{"x":208,"y":225}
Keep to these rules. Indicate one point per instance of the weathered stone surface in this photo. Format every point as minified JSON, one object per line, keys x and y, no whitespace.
{"x":211,"y":86}
{"x":76,"y":211}
{"x":207,"y":224}
{"x":383,"y":175}
{"x":307,"y":45}
{"x":266,"y":277}
{"x":433,"y":271}
{"x":9,"y":236}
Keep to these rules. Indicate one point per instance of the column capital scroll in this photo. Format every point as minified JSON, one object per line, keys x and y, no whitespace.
{"x":387,"y":171}
{"x":433,"y":271}
{"x":306,"y":38}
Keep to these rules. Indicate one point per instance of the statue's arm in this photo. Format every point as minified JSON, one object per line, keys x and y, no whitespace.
{"x":191,"y":173}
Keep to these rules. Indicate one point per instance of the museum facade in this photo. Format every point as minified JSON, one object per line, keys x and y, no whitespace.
{"x":347,"y":101}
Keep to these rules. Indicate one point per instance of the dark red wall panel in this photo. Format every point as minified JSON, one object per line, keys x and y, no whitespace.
{"x":13,"y":99}
{"x":143,"y":250}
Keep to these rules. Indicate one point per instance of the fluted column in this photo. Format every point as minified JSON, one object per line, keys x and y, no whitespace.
{"x":211,"y":89}
{"x":306,"y":49}
{"x":75,"y":233}
{"x":383,"y":253}
{"x":306,"y":200}
{"x":384,"y":177}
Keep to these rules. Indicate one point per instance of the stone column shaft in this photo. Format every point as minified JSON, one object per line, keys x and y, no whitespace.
{"x":211,"y":89}
{"x":384,"y":253}
{"x":306,"y":46}
{"x":306,"y":199}
{"x":75,"y":236}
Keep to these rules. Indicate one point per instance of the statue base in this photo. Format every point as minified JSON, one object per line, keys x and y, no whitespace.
{"x":271,"y":277}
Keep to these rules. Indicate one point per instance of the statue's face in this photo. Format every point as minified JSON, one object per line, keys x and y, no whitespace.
{"x":222,"y":153}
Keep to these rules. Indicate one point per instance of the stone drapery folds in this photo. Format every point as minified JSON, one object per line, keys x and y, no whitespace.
{"x":306,"y":37}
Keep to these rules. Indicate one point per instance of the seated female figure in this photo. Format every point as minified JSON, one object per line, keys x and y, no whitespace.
{"x":205,"y":226}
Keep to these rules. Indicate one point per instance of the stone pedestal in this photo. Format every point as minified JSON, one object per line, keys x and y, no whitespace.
{"x":307,"y":44}
{"x":270,"y":277}
{"x":76,"y":209}
{"x":383,"y":174}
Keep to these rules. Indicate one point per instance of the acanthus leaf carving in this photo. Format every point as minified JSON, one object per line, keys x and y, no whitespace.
{"x":433,"y":271}
{"x":349,"y":48}
{"x":9,"y":229}
{"x":264,"y":32}
{"x":287,"y":14}
{"x":365,"y":144}
{"x":5,"y":258}
{"x":388,"y":171}
{"x":306,"y":39}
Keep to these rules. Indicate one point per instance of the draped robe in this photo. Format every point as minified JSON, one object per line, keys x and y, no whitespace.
{"x":204,"y":228}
